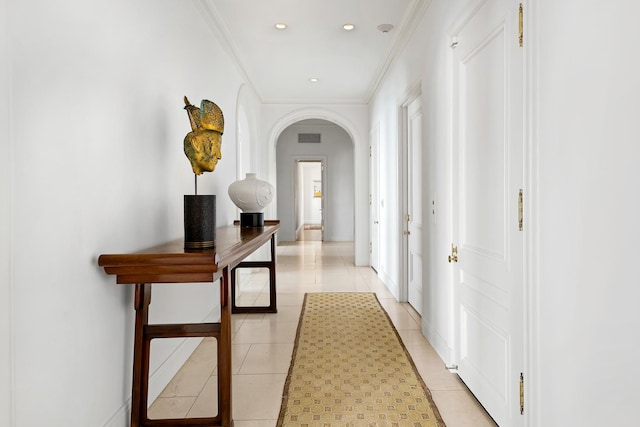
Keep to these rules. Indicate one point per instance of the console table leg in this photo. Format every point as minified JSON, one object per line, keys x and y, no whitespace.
{"x":272,"y":275}
{"x":140,"y":359}
{"x":224,"y":354}
{"x":271,"y":266}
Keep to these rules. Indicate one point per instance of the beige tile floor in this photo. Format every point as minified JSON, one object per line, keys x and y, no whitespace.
{"x":263,"y":343}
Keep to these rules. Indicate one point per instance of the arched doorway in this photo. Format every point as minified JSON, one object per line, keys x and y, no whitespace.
{"x":333,"y":191}
{"x":354,"y":124}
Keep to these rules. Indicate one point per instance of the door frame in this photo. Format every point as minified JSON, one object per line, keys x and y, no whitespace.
{"x":374,"y":197}
{"x":531,"y":185}
{"x":322,"y":159}
{"x":414,"y":92}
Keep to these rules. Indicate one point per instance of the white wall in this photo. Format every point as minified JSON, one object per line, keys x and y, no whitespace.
{"x":587,"y":136}
{"x":583,"y":207}
{"x":6,"y":335}
{"x":96,"y":134}
{"x":423,"y":63}
{"x":338,"y":149}
{"x":248,"y":129}
{"x":299,"y":205}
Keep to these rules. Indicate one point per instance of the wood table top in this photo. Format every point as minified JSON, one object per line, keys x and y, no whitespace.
{"x":171,"y":263}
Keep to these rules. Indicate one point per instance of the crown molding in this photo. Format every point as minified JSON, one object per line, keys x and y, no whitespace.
{"x":220,"y":31}
{"x":340,"y":101}
{"x":410,"y":21}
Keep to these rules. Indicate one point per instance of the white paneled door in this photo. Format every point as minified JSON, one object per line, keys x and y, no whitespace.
{"x":487,"y":178}
{"x":374,"y":199}
{"x":414,"y":205}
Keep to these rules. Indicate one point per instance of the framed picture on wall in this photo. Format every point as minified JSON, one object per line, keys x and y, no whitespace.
{"x":317,"y":188}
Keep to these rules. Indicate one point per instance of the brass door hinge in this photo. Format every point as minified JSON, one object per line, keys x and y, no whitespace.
{"x":408,"y":218}
{"x":521,"y":393}
{"x":520,"y":211}
{"x":521,"y":24}
{"x":454,"y":254}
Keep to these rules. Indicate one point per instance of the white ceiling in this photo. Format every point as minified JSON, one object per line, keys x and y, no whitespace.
{"x":279,"y":63}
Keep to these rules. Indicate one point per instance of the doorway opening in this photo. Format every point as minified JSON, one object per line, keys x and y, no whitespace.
{"x":309,"y":200}
{"x":334,"y":148}
{"x":411,"y":192}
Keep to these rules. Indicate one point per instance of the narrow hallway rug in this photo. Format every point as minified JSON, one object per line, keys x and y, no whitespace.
{"x":350,"y":368}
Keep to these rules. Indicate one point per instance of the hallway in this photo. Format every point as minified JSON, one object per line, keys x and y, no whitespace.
{"x":263,"y":343}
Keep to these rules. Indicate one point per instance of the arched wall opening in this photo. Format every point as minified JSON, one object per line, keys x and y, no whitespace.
{"x":314,"y":140}
{"x":359,"y":166}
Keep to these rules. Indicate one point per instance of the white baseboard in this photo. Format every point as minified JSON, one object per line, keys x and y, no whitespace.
{"x":438,"y":343}
{"x":122,"y":417}
{"x":391,"y":285}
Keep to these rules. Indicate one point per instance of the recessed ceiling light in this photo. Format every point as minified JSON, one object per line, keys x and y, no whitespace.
{"x":281,"y":25}
{"x":348,"y":27}
{"x":314,"y":80}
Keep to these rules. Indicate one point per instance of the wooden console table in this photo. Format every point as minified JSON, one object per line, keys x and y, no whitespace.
{"x":171,"y":263}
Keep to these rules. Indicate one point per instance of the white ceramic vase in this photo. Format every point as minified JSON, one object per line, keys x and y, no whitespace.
{"x":251,"y":195}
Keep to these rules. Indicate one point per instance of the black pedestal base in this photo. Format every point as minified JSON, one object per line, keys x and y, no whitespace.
{"x":252,"y":219}
{"x":199,"y":221}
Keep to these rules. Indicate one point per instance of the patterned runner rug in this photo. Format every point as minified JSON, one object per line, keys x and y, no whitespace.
{"x":350,"y":368}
